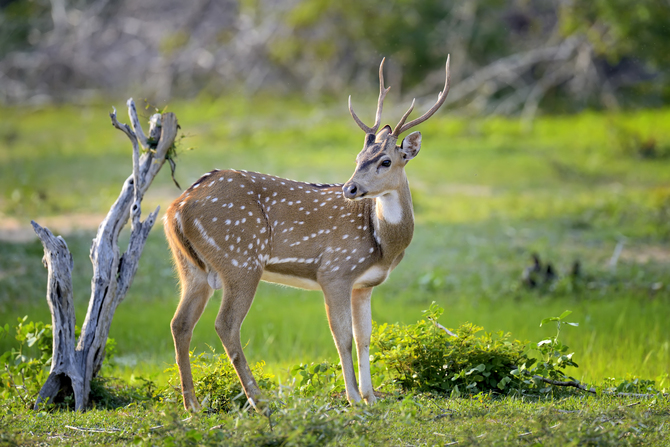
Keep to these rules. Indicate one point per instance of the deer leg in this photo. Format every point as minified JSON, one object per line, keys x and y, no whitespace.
{"x":237,"y":298}
{"x":194,"y":296}
{"x":362,"y":323}
{"x":338,"y":309}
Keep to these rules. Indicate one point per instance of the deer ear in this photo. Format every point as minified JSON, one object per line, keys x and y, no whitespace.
{"x":411,"y":145}
{"x":382,"y":134}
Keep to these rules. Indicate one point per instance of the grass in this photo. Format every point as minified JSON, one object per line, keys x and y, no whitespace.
{"x":485,"y":420}
{"x":487,"y":194}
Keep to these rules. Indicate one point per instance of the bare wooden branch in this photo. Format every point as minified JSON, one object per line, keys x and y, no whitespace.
{"x":507,"y":69}
{"x":58,"y":260}
{"x":570,"y":383}
{"x":578,"y":385}
{"x":135,"y":123}
{"x":112,"y":272}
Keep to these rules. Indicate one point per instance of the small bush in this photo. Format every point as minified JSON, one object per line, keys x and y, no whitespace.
{"x":25,"y":366}
{"x":424,"y":357}
{"x":216,"y":383}
{"x":319,"y":378}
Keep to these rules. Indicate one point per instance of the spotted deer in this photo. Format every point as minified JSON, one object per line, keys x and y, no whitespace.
{"x":232,"y":229}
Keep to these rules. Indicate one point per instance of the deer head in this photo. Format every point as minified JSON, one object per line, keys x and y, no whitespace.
{"x":380,"y":165}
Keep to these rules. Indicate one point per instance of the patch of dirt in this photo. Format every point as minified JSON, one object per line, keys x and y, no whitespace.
{"x":642,"y":254}
{"x":15,"y":230}
{"x":20,"y":230}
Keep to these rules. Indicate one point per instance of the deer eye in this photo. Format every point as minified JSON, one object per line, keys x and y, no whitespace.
{"x":385,"y":163}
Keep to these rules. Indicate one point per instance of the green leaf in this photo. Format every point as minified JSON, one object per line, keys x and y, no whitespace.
{"x":565,"y":314}
{"x":548,"y":320}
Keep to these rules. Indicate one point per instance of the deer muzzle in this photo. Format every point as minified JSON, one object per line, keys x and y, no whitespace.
{"x":352,"y":191}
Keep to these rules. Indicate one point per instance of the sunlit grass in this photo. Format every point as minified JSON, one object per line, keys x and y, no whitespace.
{"x":487,"y":193}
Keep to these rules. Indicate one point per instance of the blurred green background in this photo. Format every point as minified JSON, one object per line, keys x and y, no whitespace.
{"x":555,"y":141}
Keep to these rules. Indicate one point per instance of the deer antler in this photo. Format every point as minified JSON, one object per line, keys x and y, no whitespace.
{"x":380,"y":103}
{"x":402,"y":127}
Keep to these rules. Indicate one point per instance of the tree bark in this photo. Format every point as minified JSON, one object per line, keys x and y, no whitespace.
{"x":74,"y":366}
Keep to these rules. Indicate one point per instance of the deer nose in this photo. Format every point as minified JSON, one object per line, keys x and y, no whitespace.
{"x":350,"y":190}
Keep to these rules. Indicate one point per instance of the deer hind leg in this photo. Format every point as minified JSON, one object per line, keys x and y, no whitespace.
{"x":195,"y":292}
{"x":338,"y":309}
{"x":362,"y":323}
{"x":238,"y":294}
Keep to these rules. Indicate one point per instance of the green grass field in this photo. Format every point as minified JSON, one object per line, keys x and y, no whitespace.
{"x":487,"y":194}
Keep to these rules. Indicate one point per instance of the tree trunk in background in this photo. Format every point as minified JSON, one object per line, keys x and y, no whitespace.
{"x":73,"y":367}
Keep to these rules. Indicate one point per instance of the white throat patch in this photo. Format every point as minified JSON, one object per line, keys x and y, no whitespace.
{"x":389,"y":208}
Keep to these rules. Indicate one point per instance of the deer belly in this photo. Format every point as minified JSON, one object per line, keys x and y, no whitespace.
{"x":372,"y":277}
{"x":289,"y":280}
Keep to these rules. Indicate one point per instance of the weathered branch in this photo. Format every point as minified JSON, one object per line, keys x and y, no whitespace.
{"x":578,"y":385}
{"x":571,"y":383}
{"x":58,"y":260}
{"x":112,"y":272}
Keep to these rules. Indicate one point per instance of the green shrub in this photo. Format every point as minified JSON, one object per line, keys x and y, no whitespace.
{"x":553,"y":358}
{"x":424,"y":357}
{"x":320,"y":378}
{"x":215,"y":381}
{"x":25,"y":366}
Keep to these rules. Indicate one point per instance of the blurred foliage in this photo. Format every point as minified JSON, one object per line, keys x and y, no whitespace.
{"x":417,"y":34}
{"x":618,"y":51}
{"x":619,"y":28}
{"x":21,"y":22}
{"x":629,"y":43}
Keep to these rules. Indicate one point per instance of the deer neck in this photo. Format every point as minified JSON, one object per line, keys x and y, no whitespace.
{"x":393,"y":221}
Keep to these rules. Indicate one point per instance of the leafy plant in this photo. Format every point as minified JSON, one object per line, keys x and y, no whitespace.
{"x":111,"y":393}
{"x":635,"y":385}
{"x":24,"y":367}
{"x":319,"y":378}
{"x":424,"y":357}
{"x":553,"y":357}
{"x":215,"y":381}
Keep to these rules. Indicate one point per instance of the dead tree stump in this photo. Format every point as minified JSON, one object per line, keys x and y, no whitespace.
{"x":73,"y":366}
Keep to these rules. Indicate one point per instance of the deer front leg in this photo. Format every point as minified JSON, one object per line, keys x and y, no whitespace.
{"x":338,"y":309}
{"x":362,"y":323}
{"x":194,"y":297}
{"x":237,"y":298}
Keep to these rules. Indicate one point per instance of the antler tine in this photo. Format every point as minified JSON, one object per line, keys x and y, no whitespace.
{"x":380,"y":104}
{"x":382,"y":94}
{"x":365,"y":128}
{"x":402,"y":120}
{"x":401,"y":127}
